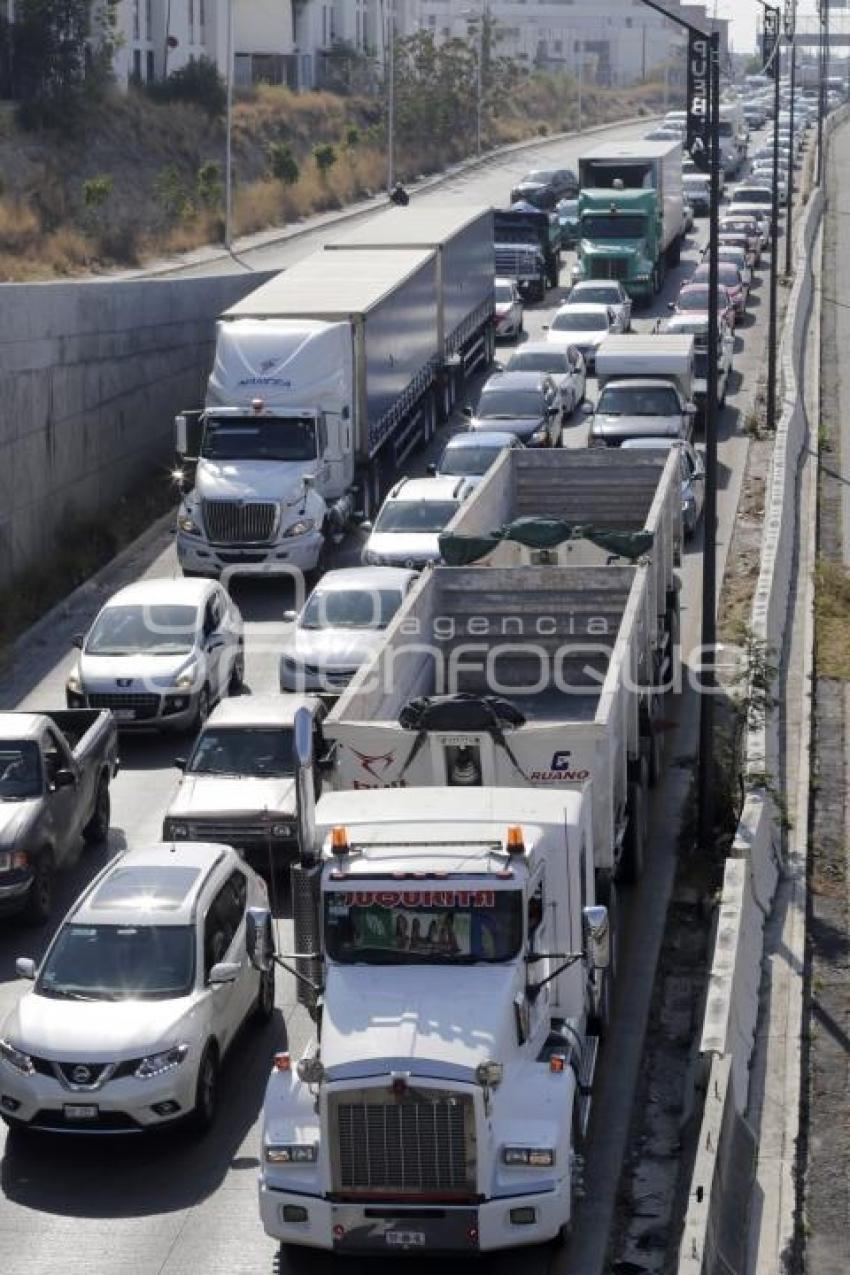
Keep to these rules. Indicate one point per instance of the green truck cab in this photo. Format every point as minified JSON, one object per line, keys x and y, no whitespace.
{"x":631,"y":214}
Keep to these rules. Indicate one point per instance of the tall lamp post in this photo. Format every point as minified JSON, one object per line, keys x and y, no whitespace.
{"x":772,"y":67}
{"x":390,"y":36}
{"x":228,"y":135}
{"x":823,"y":15}
{"x":790,"y":31}
{"x":705,"y":47}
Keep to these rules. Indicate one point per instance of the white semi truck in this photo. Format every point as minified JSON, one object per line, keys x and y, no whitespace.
{"x":458,"y":970}
{"x":325,"y":378}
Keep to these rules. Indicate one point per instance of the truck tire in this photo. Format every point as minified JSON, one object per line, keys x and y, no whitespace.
{"x":634,"y":845}
{"x":97,"y":828}
{"x":540,"y":290}
{"x":674,"y":252}
{"x":40,"y":898}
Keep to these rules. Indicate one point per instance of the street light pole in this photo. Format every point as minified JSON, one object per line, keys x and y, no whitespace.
{"x":774,"y":229}
{"x":822,"y":11}
{"x":228,"y":135}
{"x":479,"y":96}
{"x":390,"y":94}
{"x":790,"y":30}
{"x":705,"y":769}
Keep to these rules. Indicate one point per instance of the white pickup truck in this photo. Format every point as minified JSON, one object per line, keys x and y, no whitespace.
{"x":459,"y":972}
{"x":646,"y":389}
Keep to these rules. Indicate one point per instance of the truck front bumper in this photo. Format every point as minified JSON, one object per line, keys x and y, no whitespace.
{"x":295,"y":553}
{"x":393,"y":1229}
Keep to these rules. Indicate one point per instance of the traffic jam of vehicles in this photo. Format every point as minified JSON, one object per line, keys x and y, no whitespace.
{"x":452,"y":785}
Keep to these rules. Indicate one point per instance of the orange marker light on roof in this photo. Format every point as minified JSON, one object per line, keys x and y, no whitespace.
{"x":515,"y":843}
{"x":339,"y":840}
{"x":257,"y":404}
{"x":557,"y":1063}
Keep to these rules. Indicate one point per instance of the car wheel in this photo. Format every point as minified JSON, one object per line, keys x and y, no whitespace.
{"x":97,"y":828}
{"x":237,"y":673}
{"x":206,"y":1092}
{"x":264,"y":1008}
{"x":203,"y":710}
{"x":40,"y":899}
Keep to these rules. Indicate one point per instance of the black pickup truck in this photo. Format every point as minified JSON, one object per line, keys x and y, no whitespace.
{"x":55,"y":771}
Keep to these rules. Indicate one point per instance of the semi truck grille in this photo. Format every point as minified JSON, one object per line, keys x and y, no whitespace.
{"x":141,"y":706}
{"x":414,"y":1145}
{"x":230,"y":522}
{"x":609,"y":268}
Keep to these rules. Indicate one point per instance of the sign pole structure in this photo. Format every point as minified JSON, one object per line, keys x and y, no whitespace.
{"x":703,"y":141}
{"x":822,"y":12}
{"x":770,"y":52}
{"x":790,"y":31}
{"x":390,"y":72}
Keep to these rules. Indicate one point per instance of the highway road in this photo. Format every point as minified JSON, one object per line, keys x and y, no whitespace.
{"x":168,"y":1206}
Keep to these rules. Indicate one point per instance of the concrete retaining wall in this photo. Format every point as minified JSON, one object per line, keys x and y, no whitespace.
{"x":91,"y":375}
{"x":752,"y":873}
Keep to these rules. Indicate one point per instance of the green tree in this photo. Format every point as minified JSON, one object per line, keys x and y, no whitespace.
{"x":62,"y":58}
{"x":325,"y":156}
{"x":208,"y":184}
{"x":283,"y":165}
{"x":198,"y":82}
{"x":96,"y":191}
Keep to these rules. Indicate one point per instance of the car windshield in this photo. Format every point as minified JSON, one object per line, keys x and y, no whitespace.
{"x":568,"y":207}
{"x":469,"y":462}
{"x":554,"y":361}
{"x":580,"y":321}
{"x":540,"y":175}
{"x":423,"y":516}
{"x":255,"y":751}
{"x":652,"y":401}
{"x":258,"y":438}
{"x":726,"y":273}
{"x":423,"y":927}
{"x":119,"y":962}
{"x":510,"y":405}
{"x":362,"y":608}
{"x":503,"y":292}
{"x":623,"y":226}
{"x":20,"y":770}
{"x":152,"y":630}
{"x":596,"y":294}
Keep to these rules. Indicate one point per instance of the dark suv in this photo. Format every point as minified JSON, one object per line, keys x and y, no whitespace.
{"x":526,"y":404}
{"x":545,"y":187}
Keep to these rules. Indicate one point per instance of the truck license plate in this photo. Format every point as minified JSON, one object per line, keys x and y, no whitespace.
{"x":80,"y":1112}
{"x":124,"y":714}
{"x":405,"y":1239}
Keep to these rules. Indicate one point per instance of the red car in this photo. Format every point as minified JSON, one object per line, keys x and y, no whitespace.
{"x":693,"y":299}
{"x":730,"y":277}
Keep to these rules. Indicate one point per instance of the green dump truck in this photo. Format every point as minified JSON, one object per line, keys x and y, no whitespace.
{"x":631,"y":214}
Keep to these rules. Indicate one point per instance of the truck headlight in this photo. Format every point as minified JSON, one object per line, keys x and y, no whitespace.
{"x":16,"y":1058}
{"x":291,"y":1153}
{"x":186,"y":523}
{"x":300,"y":528}
{"x":539,"y":437}
{"x":281,"y":829}
{"x":529,"y":1157}
{"x":157,"y":1064}
{"x":74,"y":683}
{"x":176,"y":832}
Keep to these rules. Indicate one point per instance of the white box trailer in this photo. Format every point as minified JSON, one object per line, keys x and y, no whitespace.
{"x":601,"y":496}
{"x":653,"y":354}
{"x":520,"y":677}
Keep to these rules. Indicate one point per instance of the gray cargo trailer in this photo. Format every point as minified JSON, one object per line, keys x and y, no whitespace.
{"x":461,"y":238}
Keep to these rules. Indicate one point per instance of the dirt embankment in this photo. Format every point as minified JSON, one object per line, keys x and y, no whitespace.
{"x":141,"y":178}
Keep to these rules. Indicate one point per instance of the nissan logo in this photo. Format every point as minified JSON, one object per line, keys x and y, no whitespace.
{"x":81,"y":1075}
{"x":125,"y":681}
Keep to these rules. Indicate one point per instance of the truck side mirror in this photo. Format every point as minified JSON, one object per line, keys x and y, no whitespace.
{"x":181,"y":763}
{"x":259,"y":938}
{"x":77,"y":640}
{"x":431,"y":469}
{"x":467,"y":411}
{"x":597,"y":936}
{"x":289,"y":616}
{"x":304,"y":737}
{"x":181,"y":435}
{"x":25,"y":967}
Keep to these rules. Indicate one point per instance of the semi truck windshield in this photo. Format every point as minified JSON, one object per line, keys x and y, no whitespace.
{"x":389,"y":926}
{"x":619,"y":227}
{"x":258,"y":438}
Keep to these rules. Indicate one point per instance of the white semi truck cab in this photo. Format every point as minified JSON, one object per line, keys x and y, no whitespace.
{"x":459,"y":978}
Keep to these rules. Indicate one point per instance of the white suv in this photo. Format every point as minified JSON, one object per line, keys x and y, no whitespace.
{"x":140,"y":994}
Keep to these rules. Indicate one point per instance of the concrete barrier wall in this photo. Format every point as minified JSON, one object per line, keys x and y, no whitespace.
{"x":91,"y":375}
{"x":752,"y":873}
